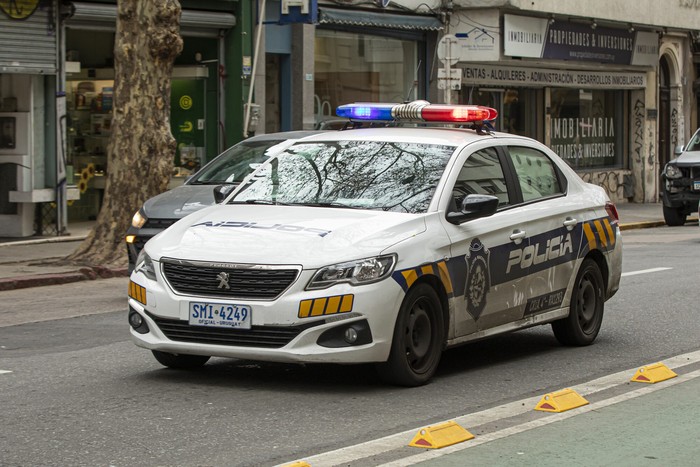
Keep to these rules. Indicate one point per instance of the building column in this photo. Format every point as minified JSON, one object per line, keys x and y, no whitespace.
{"x":303,"y":42}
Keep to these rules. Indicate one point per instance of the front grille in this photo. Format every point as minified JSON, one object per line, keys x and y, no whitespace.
{"x":245,"y":282}
{"x":160,"y":224}
{"x":270,"y":337}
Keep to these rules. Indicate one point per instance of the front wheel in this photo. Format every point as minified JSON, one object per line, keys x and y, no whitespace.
{"x":418,"y":339}
{"x":674,"y":217}
{"x":180,"y":361}
{"x":585,"y":310}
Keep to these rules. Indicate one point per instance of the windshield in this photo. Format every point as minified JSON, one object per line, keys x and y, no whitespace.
{"x":694,"y":144}
{"x":234,"y":164}
{"x":399,"y":177}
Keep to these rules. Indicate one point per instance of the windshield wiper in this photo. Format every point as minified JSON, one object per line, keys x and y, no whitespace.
{"x":267,"y":202}
{"x":326,"y":204}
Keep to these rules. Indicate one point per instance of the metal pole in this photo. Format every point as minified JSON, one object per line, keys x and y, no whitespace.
{"x":261,"y":17}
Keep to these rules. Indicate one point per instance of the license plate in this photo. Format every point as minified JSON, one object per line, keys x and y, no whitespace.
{"x":696,"y":185}
{"x":220,"y":315}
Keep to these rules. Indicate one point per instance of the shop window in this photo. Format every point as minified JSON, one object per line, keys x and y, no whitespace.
{"x":361,"y":68}
{"x":517,"y":107}
{"x":587,"y":127}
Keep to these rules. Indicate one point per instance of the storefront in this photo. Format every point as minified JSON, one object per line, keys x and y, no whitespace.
{"x":29,"y":110}
{"x":574,"y":85}
{"x":343,"y":55}
{"x":196,"y":89}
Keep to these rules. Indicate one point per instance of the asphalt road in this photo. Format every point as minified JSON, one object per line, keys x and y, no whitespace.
{"x":75,"y":391}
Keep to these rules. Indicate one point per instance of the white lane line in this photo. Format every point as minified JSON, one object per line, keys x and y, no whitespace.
{"x":644,"y":271}
{"x":434,"y":454}
{"x":367,"y":449}
{"x":4,"y":371}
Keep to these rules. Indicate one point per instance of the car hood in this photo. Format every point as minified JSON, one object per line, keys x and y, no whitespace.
{"x":179,"y":202}
{"x":307,"y":236}
{"x":688,"y":158}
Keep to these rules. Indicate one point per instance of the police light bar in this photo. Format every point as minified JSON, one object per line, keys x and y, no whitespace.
{"x":417,"y":111}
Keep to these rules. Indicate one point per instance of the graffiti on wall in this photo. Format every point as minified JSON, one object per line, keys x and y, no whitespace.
{"x":611,"y":181}
{"x":674,"y":128}
{"x":638,"y":124}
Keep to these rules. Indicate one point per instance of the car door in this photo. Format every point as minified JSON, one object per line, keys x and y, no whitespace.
{"x":486,"y":295}
{"x":554,"y":228}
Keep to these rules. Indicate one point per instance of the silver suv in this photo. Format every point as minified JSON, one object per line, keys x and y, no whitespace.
{"x":229,"y":168}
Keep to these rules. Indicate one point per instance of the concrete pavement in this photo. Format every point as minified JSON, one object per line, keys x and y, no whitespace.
{"x":27,"y":262}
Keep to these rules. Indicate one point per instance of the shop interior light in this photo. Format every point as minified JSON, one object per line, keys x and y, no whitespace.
{"x":417,"y":111}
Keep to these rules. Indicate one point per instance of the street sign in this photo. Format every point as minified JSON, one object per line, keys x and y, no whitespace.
{"x":450,"y":78}
{"x":448,"y":49}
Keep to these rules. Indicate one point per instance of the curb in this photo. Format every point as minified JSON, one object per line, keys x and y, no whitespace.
{"x":37,"y":241}
{"x":86,"y":273}
{"x":641,"y":225}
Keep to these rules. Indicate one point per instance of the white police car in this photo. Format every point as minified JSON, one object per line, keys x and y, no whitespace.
{"x":382,"y":244}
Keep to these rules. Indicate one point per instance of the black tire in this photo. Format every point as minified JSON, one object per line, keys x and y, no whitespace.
{"x":180,"y":361}
{"x":418,"y":339}
{"x":674,"y":217}
{"x":585,"y":310}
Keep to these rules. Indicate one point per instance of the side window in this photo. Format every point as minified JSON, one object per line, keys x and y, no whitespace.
{"x":536,"y":173}
{"x":481,"y":174}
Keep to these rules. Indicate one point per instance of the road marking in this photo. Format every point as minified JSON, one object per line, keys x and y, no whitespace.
{"x":487,"y":437}
{"x":644,"y":271}
{"x":4,"y":371}
{"x":376,"y":447}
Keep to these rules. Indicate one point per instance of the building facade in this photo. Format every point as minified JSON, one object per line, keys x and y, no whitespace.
{"x":56,"y":90}
{"x":614,"y":93}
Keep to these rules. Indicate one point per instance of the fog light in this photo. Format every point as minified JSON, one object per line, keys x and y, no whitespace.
{"x":135,"y":320}
{"x":350,"y":335}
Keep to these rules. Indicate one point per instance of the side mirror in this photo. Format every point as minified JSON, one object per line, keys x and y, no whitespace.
{"x":474,"y":207}
{"x":678,"y":150}
{"x":221,"y":192}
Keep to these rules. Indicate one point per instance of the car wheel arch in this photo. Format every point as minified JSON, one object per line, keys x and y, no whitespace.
{"x":599,"y":258}
{"x":436,"y":284}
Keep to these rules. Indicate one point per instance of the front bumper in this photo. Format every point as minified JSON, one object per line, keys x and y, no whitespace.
{"x":278,"y":333}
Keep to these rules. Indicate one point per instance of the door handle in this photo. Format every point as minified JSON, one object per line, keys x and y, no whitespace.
{"x":517,"y":236}
{"x":570,"y":223}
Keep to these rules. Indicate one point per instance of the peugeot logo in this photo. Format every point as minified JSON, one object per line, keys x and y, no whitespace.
{"x":223,"y":280}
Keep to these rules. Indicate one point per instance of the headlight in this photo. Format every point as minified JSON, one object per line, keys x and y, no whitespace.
{"x":144,"y":264}
{"x":362,"y":271}
{"x":138,"y":220}
{"x":671,"y":171}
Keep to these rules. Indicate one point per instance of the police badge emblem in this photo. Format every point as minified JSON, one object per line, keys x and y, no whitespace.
{"x":478,"y":278}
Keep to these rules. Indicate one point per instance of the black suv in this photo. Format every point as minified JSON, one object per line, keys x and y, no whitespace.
{"x":681,"y":183}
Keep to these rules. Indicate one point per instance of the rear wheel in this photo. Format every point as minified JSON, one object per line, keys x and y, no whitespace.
{"x":418,"y":339}
{"x":674,"y":217}
{"x":180,"y":361}
{"x":585,"y":310}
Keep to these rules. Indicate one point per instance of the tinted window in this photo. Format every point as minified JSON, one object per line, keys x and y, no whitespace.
{"x":536,"y":173}
{"x":481,"y":174}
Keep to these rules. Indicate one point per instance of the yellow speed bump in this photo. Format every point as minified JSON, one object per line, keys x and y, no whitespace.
{"x":298,"y":464}
{"x":653,"y":374}
{"x":560,"y":401}
{"x":439,"y":436}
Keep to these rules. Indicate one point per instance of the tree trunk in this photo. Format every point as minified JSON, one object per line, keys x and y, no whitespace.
{"x":141,"y":149}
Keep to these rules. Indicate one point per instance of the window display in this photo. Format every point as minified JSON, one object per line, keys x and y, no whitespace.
{"x":587,"y":127}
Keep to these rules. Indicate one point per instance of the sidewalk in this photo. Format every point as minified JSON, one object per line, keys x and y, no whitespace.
{"x":23,"y":260}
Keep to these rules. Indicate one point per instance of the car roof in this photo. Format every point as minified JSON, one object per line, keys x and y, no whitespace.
{"x":424,"y":135}
{"x":282,"y":135}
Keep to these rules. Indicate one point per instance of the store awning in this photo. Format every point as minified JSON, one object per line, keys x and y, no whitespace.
{"x":378,"y":20}
{"x":192,"y":22}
